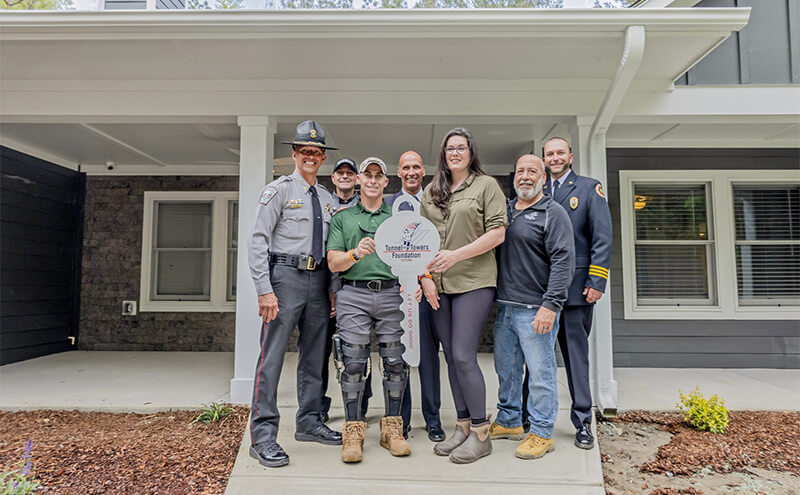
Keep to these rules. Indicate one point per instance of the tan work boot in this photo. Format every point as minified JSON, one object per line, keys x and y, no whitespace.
{"x":392,"y":436}
{"x":497,"y":432}
{"x":353,"y":433}
{"x":460,"y":435}
{"x":534,"y":447}
{"x":477,"y":445}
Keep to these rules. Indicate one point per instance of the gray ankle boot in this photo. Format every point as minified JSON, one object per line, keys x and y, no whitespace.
{"x":462,"y":431}
{"x":477,"y":445}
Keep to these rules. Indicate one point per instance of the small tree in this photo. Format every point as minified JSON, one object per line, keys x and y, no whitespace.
{"x":35,"y":4}
{"x":229,"y":4}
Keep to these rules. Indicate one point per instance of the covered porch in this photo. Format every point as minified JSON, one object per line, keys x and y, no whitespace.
{"x":211,"y":93}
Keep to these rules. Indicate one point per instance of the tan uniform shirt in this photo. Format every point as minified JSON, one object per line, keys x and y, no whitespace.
{"x":477,"y":206}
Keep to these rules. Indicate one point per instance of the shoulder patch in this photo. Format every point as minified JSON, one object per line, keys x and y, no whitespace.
{"x":268,"y":194}
{"x":599,"y":190}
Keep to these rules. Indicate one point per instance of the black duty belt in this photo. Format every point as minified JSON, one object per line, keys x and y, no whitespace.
{"x":299,"y":261}
{"x":373,"y":285}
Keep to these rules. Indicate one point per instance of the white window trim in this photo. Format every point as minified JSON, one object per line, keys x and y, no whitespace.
{"x":724,"y":253}
{"x":219,"y":252}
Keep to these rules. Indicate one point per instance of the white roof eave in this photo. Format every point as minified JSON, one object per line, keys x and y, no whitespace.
{"x":368,"y":23}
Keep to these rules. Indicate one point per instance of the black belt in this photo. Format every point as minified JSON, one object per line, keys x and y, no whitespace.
{"x":299,"y":261}
{"x":373,"y":285}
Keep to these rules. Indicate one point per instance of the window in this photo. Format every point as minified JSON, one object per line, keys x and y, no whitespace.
{"x":767,"y":221}
{"x":710,"y":244}
{"x":674,"y":249}
{"x":189,"y":250}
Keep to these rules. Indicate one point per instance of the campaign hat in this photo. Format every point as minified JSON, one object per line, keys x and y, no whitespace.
{"x":309,"y":133}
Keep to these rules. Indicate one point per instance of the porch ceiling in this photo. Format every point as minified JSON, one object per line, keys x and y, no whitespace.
{"x":159,"y":92}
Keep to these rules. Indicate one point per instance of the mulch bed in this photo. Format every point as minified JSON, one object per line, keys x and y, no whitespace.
{"x":754,"y":439}
{"x":78,"y":452}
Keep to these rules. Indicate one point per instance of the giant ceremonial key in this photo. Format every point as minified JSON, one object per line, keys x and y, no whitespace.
{"x":407,"y":242}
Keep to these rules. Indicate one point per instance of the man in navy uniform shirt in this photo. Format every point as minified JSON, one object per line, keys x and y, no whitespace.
{"x":585,"y":202}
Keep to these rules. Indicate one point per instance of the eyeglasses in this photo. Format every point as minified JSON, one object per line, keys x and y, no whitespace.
{"x":310,"y":152}
{"x":460,"y":150}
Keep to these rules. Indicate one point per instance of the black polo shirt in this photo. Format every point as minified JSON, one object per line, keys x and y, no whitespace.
{"x":537,"y":260}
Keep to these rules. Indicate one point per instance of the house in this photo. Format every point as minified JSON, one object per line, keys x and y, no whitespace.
{"x":131,"y":138}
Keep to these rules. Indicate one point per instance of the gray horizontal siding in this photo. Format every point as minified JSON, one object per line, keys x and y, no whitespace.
{"x":695,"y":343}
{"x":125,"y":5}
{"x":766,"y":51}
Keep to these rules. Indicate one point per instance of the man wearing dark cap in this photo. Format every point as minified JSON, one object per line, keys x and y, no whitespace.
{"x":344,"y":180}
{"x":369,"y":299}
{"x":344,"y":196}
{"x":287,"y":263}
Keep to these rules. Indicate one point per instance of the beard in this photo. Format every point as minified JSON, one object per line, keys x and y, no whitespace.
{"x":527,"y":194}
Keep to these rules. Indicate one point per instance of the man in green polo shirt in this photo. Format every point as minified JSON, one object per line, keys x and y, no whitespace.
{"x":369,"y":298}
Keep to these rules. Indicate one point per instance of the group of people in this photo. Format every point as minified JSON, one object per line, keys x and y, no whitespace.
{"x":543,"y":257}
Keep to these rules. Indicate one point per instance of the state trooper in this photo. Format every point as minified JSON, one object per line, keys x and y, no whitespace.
{"x":369,"y":298}
{"x":287,"y":263}
{"x":587,"y":207}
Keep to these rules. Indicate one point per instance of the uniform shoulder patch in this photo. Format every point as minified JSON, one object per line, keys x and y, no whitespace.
{"x":267,"y":195}
{"x":599,"y":190}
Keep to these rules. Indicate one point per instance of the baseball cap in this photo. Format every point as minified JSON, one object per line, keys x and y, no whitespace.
{"x":345,"y":162}
{"x":369,"y":161}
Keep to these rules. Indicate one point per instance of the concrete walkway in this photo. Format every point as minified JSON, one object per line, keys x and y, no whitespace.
{"x":148,"y":381}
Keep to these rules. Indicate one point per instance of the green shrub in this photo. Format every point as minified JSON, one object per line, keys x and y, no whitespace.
{"x":704,"y":414}
{"x":211,"y":413}
{"x":18,"y":478}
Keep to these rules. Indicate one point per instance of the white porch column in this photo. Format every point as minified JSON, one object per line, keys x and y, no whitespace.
{"x":255,"y":170}
{"x":590,"y":158}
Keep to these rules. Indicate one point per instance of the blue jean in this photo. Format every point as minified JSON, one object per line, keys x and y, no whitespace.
{"x":515,"y":344}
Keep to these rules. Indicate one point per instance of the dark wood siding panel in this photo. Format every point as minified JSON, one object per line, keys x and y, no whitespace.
{"x":695,"y":343}
{"x":40,"y":245}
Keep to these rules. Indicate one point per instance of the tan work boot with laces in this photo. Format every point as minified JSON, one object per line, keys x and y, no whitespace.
{"x":534,"y":447}
{"x":497,"y":432}
{"x":353,"y":433}
{"x":392,"y":436}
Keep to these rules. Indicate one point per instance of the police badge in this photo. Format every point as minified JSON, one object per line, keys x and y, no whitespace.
{"x":573,"y":202}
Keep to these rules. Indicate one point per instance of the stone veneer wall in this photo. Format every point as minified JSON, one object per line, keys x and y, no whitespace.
{"x":112,"y":247}
{"x":112,"y":250}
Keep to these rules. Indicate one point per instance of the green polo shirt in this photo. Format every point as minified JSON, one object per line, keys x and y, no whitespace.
{"x":477,"y":206}
{"x":351,"y":225}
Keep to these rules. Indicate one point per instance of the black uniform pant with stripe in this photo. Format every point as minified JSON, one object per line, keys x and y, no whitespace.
{"x":303,"y":302}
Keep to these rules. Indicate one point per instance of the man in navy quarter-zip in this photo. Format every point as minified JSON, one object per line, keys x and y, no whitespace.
{"x":535,"y":266}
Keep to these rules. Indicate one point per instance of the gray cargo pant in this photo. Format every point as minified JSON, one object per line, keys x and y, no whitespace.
{"x":358,"y":310}
{"x":303,"y":301}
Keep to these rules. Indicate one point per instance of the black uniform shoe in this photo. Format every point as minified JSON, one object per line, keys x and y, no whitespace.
{"x":320,"y":434}
{"x":269,"y":454}
{"x":435,"y":433}
{"x":584,"y":438}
